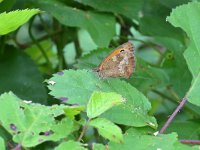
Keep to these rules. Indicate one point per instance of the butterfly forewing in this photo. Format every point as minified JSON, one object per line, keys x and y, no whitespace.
{"x":119,"y":63}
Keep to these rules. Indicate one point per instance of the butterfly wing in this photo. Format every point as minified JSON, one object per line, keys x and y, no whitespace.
{"x":119,"y":63}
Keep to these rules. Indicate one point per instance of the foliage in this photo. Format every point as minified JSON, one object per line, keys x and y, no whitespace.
{"x":192,"y":53}
{"x":51,"y":99}
{"x":13,"y":20}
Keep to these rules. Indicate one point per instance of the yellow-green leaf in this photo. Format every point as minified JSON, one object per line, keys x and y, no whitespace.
{"x":100,"y":102}
{"x":107,"y":129}
{"x":12,"y":20}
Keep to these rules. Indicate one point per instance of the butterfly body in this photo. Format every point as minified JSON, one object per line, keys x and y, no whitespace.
{"x":119,"y":63}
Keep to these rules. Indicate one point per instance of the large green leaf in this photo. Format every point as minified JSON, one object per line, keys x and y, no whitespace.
{"x":155,"y":8}
{"x":6,"y":5}
{"x":107,"y":129}
{"x":100,"y":26}
{"x":77,"y":86}
{"x":97,"y":146}
{"x":71,"y":111}
{"x":20,"y":75}
{"x":70,"y":145}
{"x":172,"y":3}
{"x":140,"y":140}
{"x":2,"y":144}
{"x":190,"y":24}
{"x":158,"y":27}
{"x":13,"y":20}
{"x":32,"y":124}
{"x":128,"y":8}
{"x":100,"y":102}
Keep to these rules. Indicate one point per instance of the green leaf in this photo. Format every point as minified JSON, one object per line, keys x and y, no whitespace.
{"x":85,"y":41}
{"x":14,"y":19}
{"x":70,"y":145}
{"x":20,"y":75}
{"x":163,"y":29}
{"x":71,"y":111}
{"x":128,"y":8}
{"x":6,"y":5}
{"x":100,"y":102}
{"x":155,"y":8}
{"x":32,"y":124}
{"x":140,"y":140}
{"x":107,"y":129}
{"x":172,"y":3}
{"x":79,"y":85}
{"x":180,"y":146}
{"x":190,"y":24}
{"x":2,"y":144}
{"x":100,"y":26}
{"x":97,"y":146}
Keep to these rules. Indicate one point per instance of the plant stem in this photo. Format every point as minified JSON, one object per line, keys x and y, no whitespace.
{"x":60,"y":44}
{"x":44,"y":24}
{"x":36,"y":42}
{"x":78,"y":49}
{"x":190,"y":142}
{"x":84,"y":130}
{"x":18,"y":147}
{"x":2,"y":45}
{"x":23,"y":46}
{"x":173,"y":115}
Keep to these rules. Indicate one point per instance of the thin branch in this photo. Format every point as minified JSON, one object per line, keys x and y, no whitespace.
{"x":2,"y":45}
{"x":44,"y":24}
{"x":84,"y":130}
{"x":195,"y":142}
{"x":173,"y":115}
{"x":18,"y":147}
{"x":37,"y":44}
{"x":77,"y":48}
{"x":23,"y":46}
{"x":60,"y":43}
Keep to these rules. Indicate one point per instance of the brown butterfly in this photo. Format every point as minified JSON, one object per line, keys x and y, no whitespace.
{"x":119,"y":63}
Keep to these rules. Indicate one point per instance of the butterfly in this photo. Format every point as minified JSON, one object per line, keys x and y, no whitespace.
{"x":120,"y":62}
